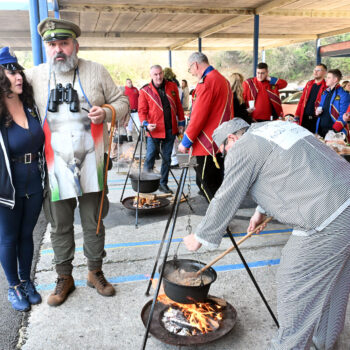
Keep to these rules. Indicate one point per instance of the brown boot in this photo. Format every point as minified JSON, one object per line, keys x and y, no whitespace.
{"x":64,"y":286}
{"x":97,"y":280}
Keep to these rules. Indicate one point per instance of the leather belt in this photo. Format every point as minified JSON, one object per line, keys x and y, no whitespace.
{"x":133,"y":110}
{"x":310,"y":117}
{"x":26,"y":158}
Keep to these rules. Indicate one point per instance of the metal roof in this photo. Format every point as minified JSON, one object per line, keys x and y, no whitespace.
{"x":176,"y":25}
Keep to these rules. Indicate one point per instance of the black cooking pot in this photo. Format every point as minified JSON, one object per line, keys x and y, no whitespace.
{"x":187,"y":294}
{"x":149,"y":182}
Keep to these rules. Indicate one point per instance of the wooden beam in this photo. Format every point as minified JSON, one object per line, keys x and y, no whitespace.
{"x":183,"y":10}
{"x":180,"y":44}
{"x":236,"y":20}
{"x":117,"y":48}
{"x":283,"y":43}
{"x":155,"y":35}
{"x":308,"y":13}
{"x":14,"y":34}
{"x":271,"y":5}
{"x":261,"y":36}
{"x":222,"y":26}
{"x":184,"y":48}
{"x":139,"y":35}
{"x":334,"y":32}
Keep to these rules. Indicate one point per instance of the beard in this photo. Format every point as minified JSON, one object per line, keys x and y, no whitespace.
{"x":69,"y":63}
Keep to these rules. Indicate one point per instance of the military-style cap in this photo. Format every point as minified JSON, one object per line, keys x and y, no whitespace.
{"x":8,"y":60}
{"x":220,"y":133}
{"x":52,"y":29}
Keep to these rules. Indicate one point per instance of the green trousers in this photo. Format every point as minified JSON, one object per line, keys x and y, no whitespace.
{"x":60,"y":214}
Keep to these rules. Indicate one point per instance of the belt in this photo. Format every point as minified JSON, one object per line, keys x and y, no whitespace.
{"x":26,"y":158}
{"x":133,"y":110}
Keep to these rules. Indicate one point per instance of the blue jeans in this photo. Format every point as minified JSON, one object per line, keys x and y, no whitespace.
{"x":16,"y":237}
{"x":166,"y":147}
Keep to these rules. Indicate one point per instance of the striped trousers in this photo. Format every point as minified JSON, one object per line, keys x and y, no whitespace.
{"x":313,"y":286}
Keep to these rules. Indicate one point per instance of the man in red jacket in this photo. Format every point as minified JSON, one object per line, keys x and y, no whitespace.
{"x":212,"y":105}
{"x":161,"y":112}
{"x":311,"y":98}
{"x":133,"y":95}
{"x":261,"y":95}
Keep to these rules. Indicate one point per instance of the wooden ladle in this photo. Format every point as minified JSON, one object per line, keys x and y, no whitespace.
{"x":268,"y":219}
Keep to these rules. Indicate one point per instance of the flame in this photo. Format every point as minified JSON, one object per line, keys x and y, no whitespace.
{"x":203,"y":316}
{"x":127,"y":152}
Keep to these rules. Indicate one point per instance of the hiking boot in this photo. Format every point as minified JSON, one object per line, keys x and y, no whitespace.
{"x":17,"y":298}
{"x":165,"y":189}
{"x":96,"y":279}
{"x":31,"y":293}
{"x":64,"y":286}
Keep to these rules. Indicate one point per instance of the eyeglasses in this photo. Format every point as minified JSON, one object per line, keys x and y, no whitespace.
{"x":223,"y":154}
{"x":189,"y":68}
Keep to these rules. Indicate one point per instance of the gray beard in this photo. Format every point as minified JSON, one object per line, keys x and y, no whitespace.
{"x":64,"y":66}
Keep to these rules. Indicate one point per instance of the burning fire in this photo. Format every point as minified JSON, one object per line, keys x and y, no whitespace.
{"x":127,"y":153}
{"x":203,"y":317}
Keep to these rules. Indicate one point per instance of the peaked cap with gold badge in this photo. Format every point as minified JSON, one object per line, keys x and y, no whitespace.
{"x":52,"y":29}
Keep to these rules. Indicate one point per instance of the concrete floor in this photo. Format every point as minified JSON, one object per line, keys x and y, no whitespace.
{"x":89,"y":321}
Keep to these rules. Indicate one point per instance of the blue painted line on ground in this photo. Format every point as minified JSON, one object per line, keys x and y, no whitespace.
{"x":154,"y":242}
{"x":171,"y":179}
{"x":145,"y":277}
{"x":128,"y":187}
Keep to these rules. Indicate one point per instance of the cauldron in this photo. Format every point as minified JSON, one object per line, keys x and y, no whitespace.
{"x":149,"y":182}
{"x":182,"y":293}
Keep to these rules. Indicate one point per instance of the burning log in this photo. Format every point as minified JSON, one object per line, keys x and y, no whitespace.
{"x":145,"y":203}
{"x":191,"y":319}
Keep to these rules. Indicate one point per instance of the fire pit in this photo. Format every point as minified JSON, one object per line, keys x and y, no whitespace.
{"x":128,"y":203}
{"x":190,"y":324}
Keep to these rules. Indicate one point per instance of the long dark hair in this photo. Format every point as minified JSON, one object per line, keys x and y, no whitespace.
{"x":5,"y":91}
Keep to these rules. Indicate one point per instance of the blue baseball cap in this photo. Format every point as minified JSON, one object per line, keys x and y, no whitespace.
{"x":9,"y":60}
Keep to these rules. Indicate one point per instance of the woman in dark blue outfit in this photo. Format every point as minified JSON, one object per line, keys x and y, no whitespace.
{"x":21,"y":191}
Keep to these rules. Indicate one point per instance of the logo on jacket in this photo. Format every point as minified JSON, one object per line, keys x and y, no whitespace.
{"x":173,"y":93}
{"x":337,"y":97}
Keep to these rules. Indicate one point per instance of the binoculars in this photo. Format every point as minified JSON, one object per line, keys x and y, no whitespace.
{"x":63,"y":94}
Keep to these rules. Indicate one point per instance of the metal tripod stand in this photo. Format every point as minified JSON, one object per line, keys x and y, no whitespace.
{"x":171,"y":220}
{"x":140,"y":141}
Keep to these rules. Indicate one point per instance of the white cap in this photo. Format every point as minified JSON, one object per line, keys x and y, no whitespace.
{"x":220,"y":133}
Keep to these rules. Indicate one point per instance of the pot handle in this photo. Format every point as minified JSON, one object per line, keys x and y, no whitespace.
{"x":175,"y":255}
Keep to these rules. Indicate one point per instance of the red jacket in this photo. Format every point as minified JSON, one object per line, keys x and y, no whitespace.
{"x":151,"y":109}
{"x":212,"y":105}
{"x":305,"y":96}
{"x":266,"y":97}
{"x":133,"y":95}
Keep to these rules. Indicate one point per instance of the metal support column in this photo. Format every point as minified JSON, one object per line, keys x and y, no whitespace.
{"x":318,"y":54}
{"x":256,"y":44}
{"x":56,"y":9}
{"x":170,"y":60}
{"x":199,"y":44}
{"x":35,"y":37}
{"x":44,"y":13}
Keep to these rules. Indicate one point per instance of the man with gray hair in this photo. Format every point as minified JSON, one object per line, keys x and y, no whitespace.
{"x":212,"y":105}
{"x":161,"y":112}
{"x":278,"y":163}
{"x":69,"y":93}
